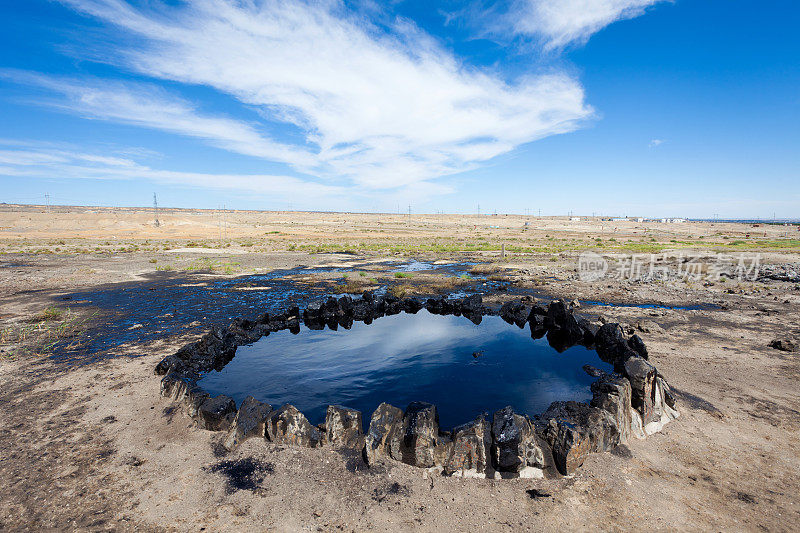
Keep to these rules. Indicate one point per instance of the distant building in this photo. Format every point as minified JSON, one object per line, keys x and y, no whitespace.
{"x":575,"y":219}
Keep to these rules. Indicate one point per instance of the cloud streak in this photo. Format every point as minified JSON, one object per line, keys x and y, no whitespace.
{"x":558,"y":23}
{"x":379,"y":109}
{"x":150,"y":106}
{"x":42,"y":160}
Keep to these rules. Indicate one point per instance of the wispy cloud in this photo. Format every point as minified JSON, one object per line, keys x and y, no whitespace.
{"x":558,"y":23}
{"x":43,"y":160}
{"x":380,"y":109}
{"x":24,"y":159}
{"x":656,"y":142}
{"x":150,"y":106}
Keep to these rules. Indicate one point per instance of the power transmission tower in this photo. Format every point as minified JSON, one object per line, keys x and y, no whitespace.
{"x":47,"y":201}
{"x":155,"y":209}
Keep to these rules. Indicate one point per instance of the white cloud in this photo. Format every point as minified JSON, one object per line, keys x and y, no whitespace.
{"x":561,"y":22}
{"x":23,"y":159}
{"x":150,"y":106}
{"x":655,"y":142}
{"x":382,"y":110}
{"x":41,"y":160}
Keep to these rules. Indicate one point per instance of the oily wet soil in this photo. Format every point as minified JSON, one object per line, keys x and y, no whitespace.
{"x":243,"y":474}
{"x":142,"y":311}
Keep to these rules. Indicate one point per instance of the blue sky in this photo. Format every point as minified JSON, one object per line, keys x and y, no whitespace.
{"x":621,"y":107}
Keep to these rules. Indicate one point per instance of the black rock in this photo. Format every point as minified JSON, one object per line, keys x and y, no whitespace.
{"x":563,"y":328}
{"x":471,"y":305}
{"x":361,"y":310}
{"x":592,"y":371}
{"x":287,"y":425}
{"x":637,"y":345}
{"x":642,"y":376}
{"x":170,"y":362}
{"x":515,"y":313}
{"x":420,"y":434}
{"x":515,"y":444}
{"x":195,"y":397}
{"x":537,"y":326}
{"x":217,"y":413}
{"x":174,"y":384}
{"x":438,"y":306}
{"x":312,"y":311}
{"x":411,"y":305}
{"x":471,"y":451}
{"x":612,"y":347}
{"x":612,"y":393}
{"x":385,"y":434}
{"x":250,"y":421}
{"x":346,"y":304}
{"x":575,"y":430}
{"x":589,"y":329}
{"x":343,"y":425}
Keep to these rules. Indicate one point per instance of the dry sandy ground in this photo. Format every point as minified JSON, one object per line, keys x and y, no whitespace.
{"x":94,"y":447}
{"x":27,"y":222}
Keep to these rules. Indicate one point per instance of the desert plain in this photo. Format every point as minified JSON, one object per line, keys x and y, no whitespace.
{"x":90,"y":305}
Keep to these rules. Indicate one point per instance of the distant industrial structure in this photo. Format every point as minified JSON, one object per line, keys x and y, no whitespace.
{"x":642,"y":219}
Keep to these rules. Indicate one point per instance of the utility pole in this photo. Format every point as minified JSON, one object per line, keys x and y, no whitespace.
{"x":409,"y":213}
{"x":479,"y":209}
{"x":47,"y":201}
{"x":155,"y":209}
